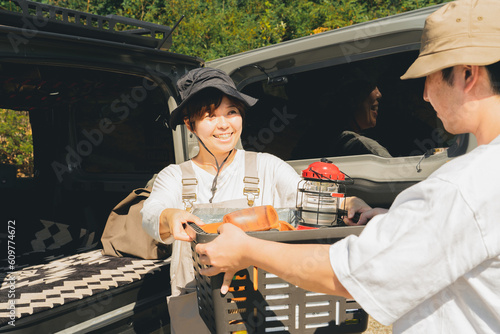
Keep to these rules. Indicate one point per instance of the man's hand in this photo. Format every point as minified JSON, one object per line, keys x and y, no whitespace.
{"x":226,"y":254}
{"x":307,"y":266}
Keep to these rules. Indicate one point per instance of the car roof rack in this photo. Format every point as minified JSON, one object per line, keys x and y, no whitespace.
{"x":36,"y":16}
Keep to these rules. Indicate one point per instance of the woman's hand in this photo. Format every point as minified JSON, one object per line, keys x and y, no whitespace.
{"x":365,"y":217}
{"x":355,"y":205}
{"x":172,"y":222}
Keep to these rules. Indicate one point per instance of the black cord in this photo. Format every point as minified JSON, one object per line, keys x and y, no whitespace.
{"x":214,"y":183}
{"x":427,"y":154}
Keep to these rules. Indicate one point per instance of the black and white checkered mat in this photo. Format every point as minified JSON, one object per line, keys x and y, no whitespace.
{"x":45,"y":277}
{"x":45,"y":286}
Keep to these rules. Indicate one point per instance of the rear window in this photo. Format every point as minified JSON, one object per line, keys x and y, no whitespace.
{"x":99,"y":122}
{"x":124,"y":131}
{"x":311,"y":115}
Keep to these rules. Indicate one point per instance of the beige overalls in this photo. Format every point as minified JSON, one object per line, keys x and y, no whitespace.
{"x":183,"y":304}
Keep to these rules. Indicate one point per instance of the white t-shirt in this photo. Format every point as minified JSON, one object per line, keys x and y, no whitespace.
{"x":432,"y":264}
{"x":277,"y":183}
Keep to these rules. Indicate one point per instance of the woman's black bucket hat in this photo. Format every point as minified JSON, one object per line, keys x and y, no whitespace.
{"x":199,"y":79}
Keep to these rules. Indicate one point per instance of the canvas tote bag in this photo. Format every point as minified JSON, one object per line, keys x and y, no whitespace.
{"x":123,"y":234}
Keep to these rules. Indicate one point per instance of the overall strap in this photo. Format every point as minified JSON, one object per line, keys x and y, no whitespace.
{"x":251,"y":180}
{"x":189,"y":183}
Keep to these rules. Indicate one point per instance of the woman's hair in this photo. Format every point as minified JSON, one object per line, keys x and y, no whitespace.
{"x":207,"y":101}
{"x":354,"y":92}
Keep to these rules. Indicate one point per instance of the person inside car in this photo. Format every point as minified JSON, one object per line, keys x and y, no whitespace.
{"x":358,"y":101}
{"x":431,"y":263}
{"x":349,"y":112}
{"x":219,"y":176}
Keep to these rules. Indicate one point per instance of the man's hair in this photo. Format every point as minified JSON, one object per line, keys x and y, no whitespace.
{"x":207,"y":101}
{"x":448,"y":75}
{"x":493,"y":73}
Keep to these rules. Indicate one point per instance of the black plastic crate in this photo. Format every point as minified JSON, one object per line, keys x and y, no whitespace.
{"x":260,"y":302}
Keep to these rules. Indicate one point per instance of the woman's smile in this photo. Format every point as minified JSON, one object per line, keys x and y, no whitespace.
{"x":223,"y":136}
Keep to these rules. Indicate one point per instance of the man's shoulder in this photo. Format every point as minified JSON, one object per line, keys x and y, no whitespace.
{"x":480,"y":164}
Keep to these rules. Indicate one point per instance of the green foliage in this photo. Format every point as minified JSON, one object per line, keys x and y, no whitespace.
{"x":16,"y":140}
{"x":216,"y":28}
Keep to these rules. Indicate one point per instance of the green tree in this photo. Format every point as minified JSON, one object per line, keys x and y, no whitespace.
{"x":17,"y":141}
{"x":216,"y":28}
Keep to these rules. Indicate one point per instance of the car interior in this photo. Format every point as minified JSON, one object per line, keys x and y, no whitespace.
{"x":311,"y":105}
{"x":96,"y":135}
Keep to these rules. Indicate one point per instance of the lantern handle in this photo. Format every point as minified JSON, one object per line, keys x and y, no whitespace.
{"x":350,"y":181}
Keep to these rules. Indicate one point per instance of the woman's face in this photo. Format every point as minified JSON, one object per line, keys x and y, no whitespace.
{"x":366,"y":114}
{"x":221,"y":131}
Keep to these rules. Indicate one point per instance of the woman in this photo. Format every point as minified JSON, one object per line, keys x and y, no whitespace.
{"x":212,"y":109}
{"x":218,"y":176}
{"x":360,"y":106}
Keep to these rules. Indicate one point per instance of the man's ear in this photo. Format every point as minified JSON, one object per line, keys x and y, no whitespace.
{"x":470,"y":74}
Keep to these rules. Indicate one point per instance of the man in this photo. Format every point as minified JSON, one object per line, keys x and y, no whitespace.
{"x":431,"y":264}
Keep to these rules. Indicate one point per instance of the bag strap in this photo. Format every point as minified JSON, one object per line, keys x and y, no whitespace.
{"x":251,"y":181}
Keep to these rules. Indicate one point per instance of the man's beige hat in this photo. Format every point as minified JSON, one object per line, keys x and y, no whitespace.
{"x":463,"y":32}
